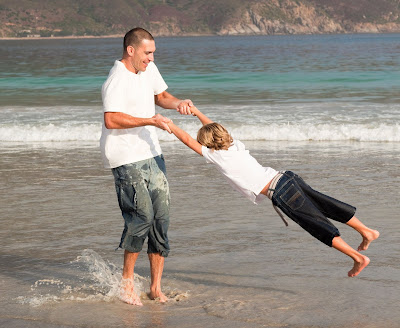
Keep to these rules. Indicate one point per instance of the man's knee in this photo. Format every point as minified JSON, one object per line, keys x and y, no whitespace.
{"x":132,"y":244}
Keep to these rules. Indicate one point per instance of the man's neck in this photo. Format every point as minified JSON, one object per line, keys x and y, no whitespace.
{"x":129,"y":65}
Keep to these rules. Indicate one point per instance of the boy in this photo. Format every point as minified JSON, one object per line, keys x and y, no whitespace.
{"x":288,"y":192}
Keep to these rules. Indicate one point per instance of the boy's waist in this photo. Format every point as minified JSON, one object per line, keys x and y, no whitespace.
{"x":273,"y":183}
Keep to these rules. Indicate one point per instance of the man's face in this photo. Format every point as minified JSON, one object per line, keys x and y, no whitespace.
{"x":143,"y":55}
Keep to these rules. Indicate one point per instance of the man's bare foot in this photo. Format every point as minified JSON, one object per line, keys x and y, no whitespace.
{"x":367,"y":239}
{"x":127,"y":293}
{"x":359,"y":266}
{"x":158,"y":295}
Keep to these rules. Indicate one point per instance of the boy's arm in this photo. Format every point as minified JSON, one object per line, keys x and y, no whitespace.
{"x":185,"y":138}
{"x":203,"y":118}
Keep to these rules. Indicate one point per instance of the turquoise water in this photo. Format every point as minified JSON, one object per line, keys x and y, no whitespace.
{"x":211,"y":70}
{"x":287,"y":68}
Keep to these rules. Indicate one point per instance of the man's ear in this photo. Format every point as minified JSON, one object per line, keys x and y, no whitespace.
{"x":130,"y":50}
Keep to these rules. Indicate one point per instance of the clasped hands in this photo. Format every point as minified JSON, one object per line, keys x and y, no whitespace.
{"x":184,"y":108}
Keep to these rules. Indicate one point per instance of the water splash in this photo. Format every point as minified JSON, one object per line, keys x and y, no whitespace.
{"x":97,"y":279}
{"x":105,"y":276}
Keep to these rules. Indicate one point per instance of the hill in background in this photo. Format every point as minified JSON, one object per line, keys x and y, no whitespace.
{"x":22,"y":18}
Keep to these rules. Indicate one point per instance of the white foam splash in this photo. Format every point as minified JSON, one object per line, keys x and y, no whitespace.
{"x":106,"y":276}
{"x":100,"y":281}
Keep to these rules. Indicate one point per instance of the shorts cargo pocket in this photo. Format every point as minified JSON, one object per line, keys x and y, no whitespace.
{"x":293,"y":198}
{"x":127,"y":196}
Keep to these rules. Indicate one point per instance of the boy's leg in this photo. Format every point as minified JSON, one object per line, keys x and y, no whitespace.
{"x":360,"y":260}
{"x":367,"y":234}
{"x":128,"y":294}
{"x":341,"y":212}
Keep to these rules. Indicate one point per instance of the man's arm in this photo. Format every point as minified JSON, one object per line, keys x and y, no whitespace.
{"x":119,"y":120}
{"x":168,"y":101}
{"x":185,"y":138}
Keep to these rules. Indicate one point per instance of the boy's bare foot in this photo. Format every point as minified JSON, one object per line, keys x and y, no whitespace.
{"x":158,"y":296}
{"x":359,"y":266}
{"x":127,"y":293}
{"x":367,"y":239}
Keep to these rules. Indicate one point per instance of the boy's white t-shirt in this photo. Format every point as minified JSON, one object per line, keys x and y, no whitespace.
{"x":242,"y":170}
{"x":132,"y":94}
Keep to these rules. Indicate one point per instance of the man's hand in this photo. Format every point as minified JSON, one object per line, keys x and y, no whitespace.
{"x":184,"y":107}
{"x":161,"y":122}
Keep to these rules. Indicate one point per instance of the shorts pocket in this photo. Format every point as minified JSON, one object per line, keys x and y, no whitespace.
{"x":127,"y":196}
{"x":293,"y":197}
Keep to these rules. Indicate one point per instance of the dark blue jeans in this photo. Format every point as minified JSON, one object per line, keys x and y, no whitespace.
{"x":310,"y":208}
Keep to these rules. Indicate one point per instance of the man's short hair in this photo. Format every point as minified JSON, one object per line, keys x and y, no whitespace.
{"x":135,"y":36}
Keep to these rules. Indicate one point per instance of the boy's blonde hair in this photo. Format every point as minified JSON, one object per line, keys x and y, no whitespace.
{"x":214,"y":136}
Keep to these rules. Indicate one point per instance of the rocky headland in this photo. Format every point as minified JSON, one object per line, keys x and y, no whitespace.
{"x":62,"y":18}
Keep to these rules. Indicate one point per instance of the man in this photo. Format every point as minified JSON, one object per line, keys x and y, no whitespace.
{"x":130,"y":147}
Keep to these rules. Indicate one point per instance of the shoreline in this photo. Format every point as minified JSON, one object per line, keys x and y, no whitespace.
{"x":179,"y":36}
{"x":65,"y":37}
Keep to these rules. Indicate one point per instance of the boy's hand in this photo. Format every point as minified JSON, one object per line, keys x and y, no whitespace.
{"x":161,"y":122}
{"x":194,"y":110}
{"x":184,"y":107}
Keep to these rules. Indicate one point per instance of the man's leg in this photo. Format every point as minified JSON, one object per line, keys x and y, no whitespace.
{"x":128,"y":294}
{"x":136,"y":207}
{"x":360,"y":261}
{"x":156,"y":269}
{"x":158,"y":245}
{"x":367,"y":234}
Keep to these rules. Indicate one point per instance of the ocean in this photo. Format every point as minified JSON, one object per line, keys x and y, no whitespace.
{"x":324,"y":106}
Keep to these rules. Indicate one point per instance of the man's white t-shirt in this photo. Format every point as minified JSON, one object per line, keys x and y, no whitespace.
{"x":242,"y":170}
{"x":132,"y":94}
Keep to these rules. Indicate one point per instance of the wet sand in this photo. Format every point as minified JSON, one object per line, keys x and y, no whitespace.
{"x":233,"y":264}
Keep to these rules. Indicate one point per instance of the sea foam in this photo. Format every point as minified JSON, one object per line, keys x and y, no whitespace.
{"x":267,"y":122}
{"x":53,"y":133}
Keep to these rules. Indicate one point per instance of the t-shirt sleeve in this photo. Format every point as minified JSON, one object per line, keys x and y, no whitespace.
{"x":207,"y":154}
{"x":159,"y":84}
{"x":113,"y":93}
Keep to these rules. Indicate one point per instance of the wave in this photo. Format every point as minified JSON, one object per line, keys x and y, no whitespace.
{"x":320,"y":132}
{"x":49,"y":133}
{"x":85,"y":132}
